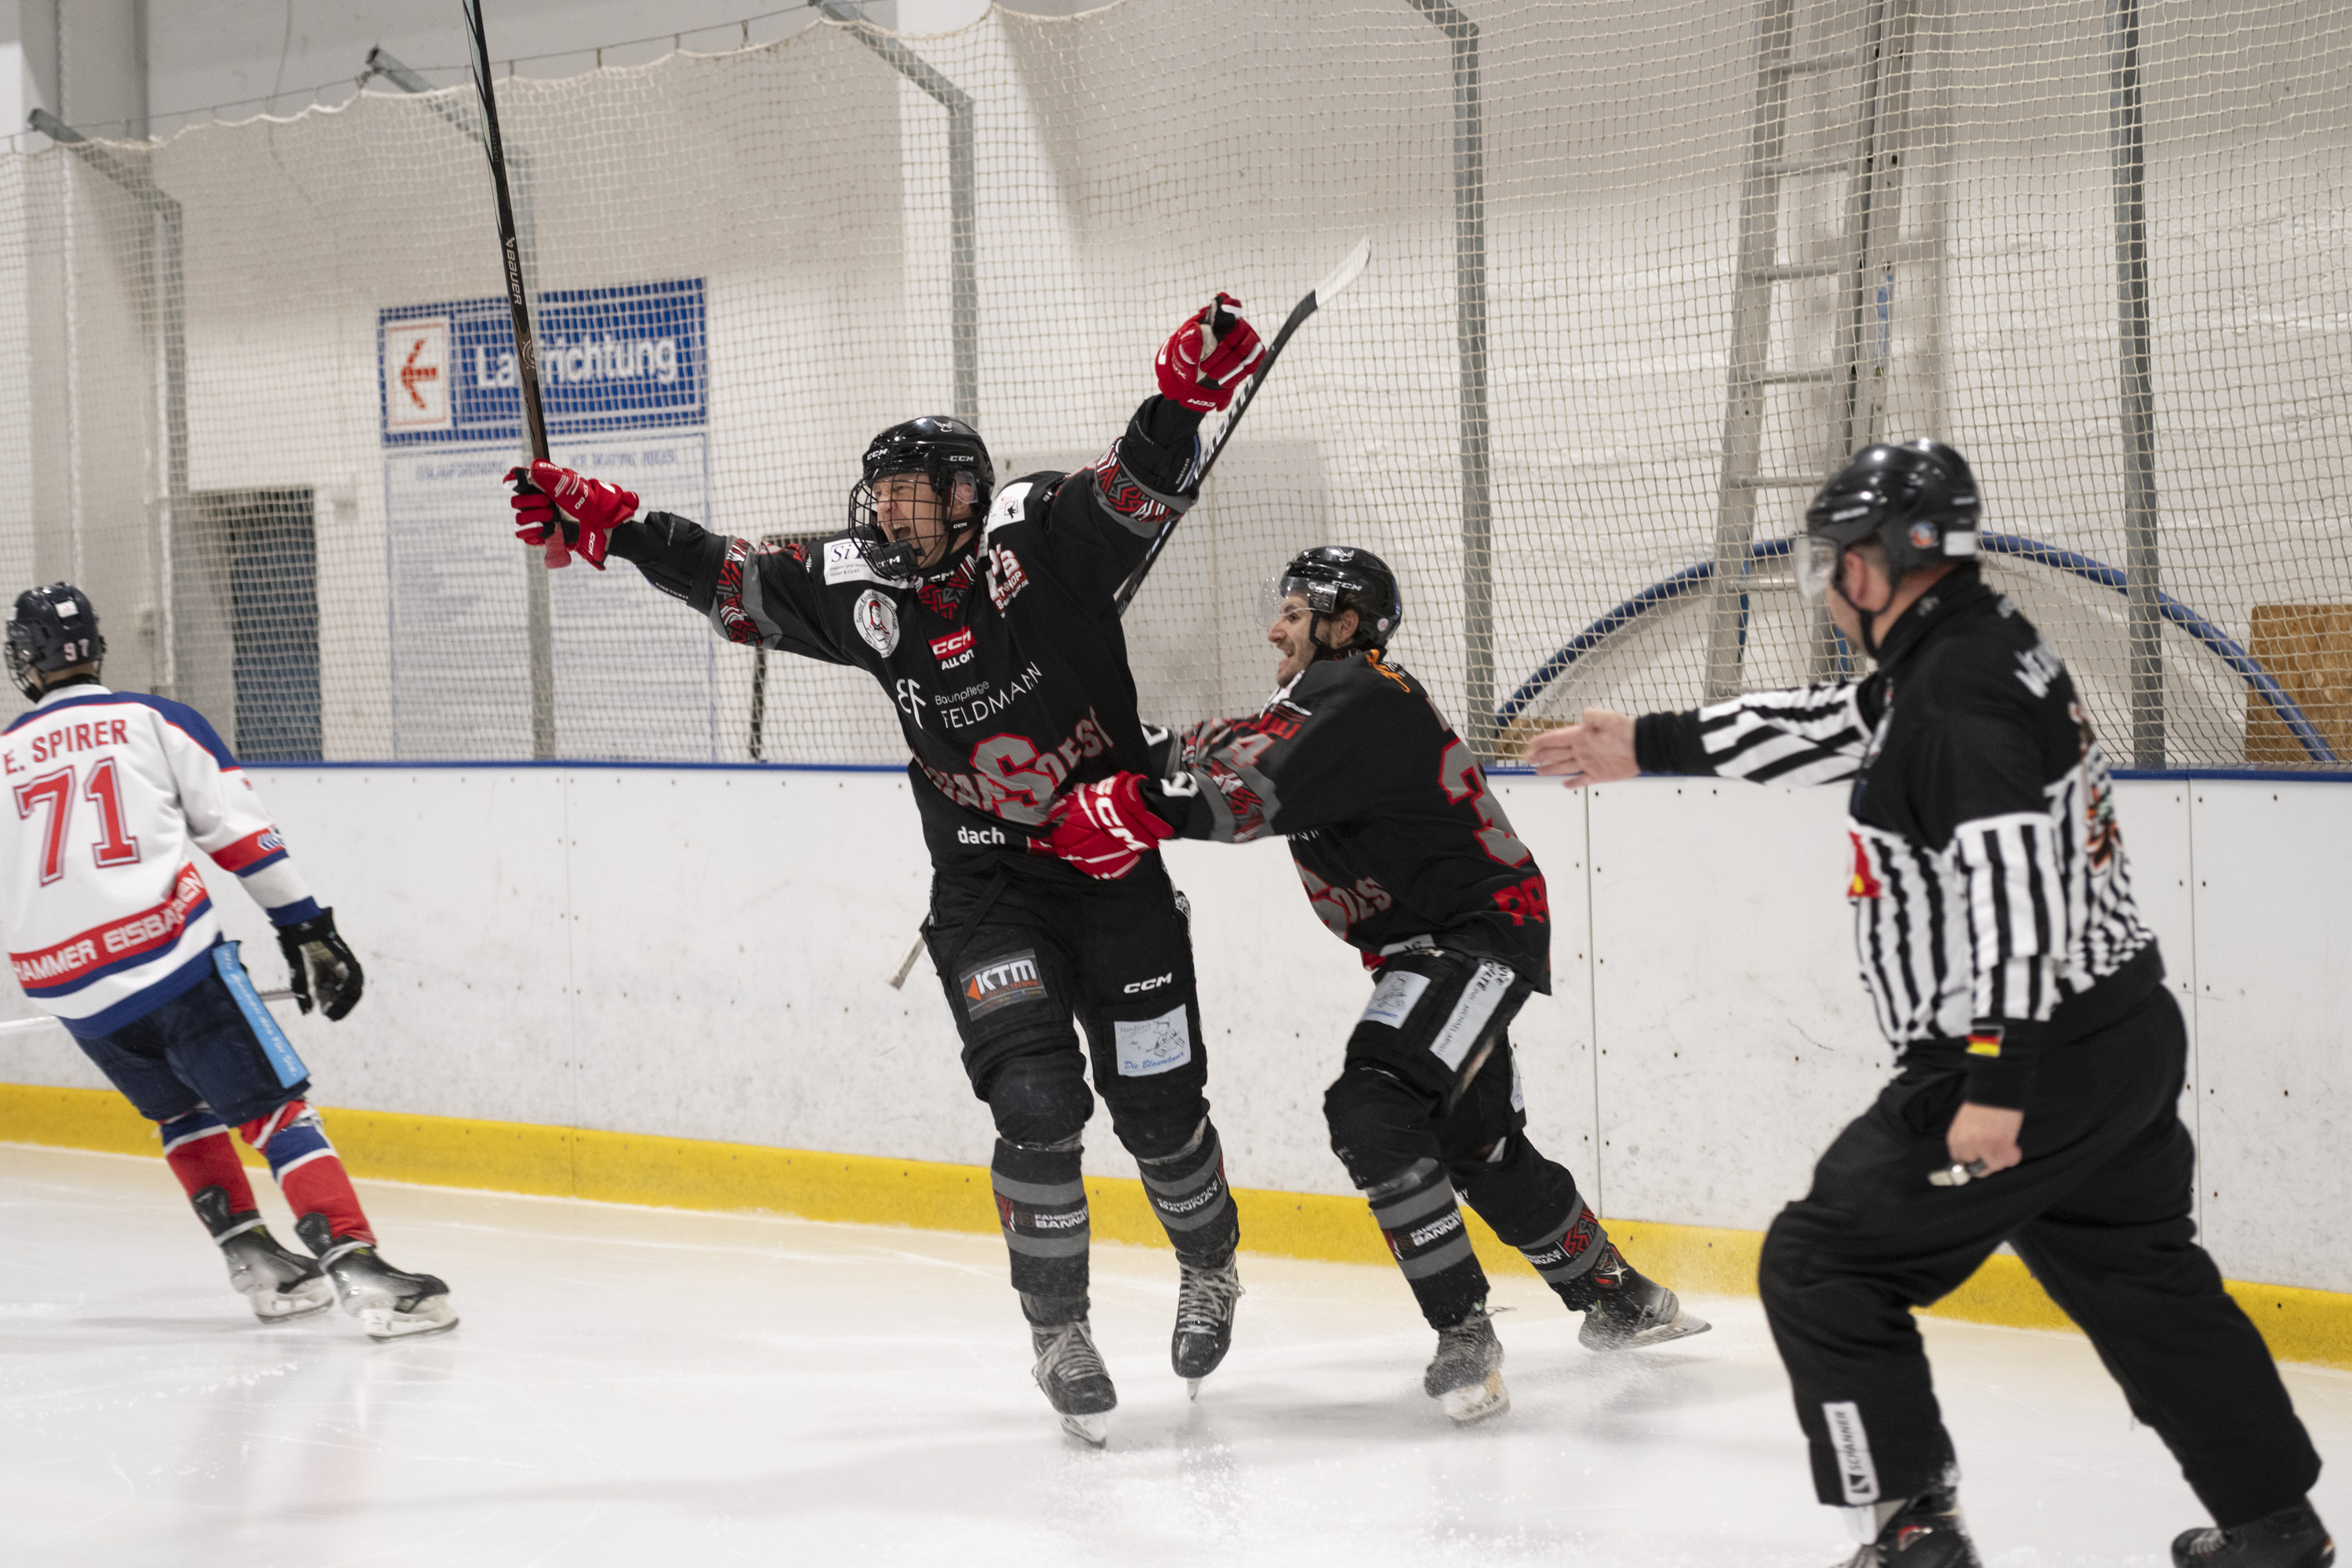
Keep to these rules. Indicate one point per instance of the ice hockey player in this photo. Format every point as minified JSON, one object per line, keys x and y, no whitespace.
{"x":2042,"y":1056}
{"x":109,"y":929}
{"x":1407,"y":856}
{"x":988,"y":615}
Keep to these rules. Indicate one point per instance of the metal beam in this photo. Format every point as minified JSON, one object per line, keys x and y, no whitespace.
{"x":1470,"y":335}
{"x":170,"y":266}
{"x":963,"y":241}
{"x":2144,"y":612}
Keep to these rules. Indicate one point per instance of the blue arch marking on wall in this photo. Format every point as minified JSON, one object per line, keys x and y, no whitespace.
{"x":1691,"y":578}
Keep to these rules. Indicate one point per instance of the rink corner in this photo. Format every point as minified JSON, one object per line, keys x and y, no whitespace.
{"x":2300,"y":1325}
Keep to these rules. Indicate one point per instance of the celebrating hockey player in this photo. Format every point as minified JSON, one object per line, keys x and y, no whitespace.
{"x":2041,"y":1054}
{"x":1406,"y":856}
{"x":110,"y":928}
{"x":988,"y":613}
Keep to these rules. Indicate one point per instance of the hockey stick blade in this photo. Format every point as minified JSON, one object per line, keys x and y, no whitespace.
{"x":1350,"y":266}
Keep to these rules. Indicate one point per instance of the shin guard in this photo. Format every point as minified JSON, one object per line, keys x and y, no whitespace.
{"x":308,"y":1170}
{"x":1416,"y":1211}
{"x":1187,"y":1192}
{"x":1041,"y":1202}
{"x":197,"y":1147}
{"x":1566,"y":1258}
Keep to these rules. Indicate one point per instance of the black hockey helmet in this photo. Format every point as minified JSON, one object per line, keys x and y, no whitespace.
{"x":1338,"y":577}
{"x":942,"y":449}
{"x":53,"y":628}
{"x":1919,"y":500}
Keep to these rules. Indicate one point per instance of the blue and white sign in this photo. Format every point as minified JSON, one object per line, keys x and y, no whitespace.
{"x":631,"y":358}
{"x":623,"y":377}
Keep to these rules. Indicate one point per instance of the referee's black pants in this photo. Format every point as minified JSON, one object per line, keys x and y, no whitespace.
{"x":2099,"y":1210}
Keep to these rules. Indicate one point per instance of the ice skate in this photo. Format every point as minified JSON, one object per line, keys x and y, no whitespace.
{"x":390,"y":1303}
{"x":1205,"y":1321}
{"x":2291,"y":1538}
{"x":278,"y":1283}
{"x":1077,"y":1384}
{"x":1628,"y":1309}
{"x":1924,"y":1531}
{"x":1466,"y":1375}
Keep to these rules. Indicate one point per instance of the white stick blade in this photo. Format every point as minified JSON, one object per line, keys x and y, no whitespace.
{"x":1345,"y":273}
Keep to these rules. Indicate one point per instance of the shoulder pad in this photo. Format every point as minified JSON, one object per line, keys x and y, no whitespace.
{"x":1016,"y":500}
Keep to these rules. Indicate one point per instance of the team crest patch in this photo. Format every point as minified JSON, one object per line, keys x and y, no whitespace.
{"x":1001,"y":983}
{"x":877,"y":620}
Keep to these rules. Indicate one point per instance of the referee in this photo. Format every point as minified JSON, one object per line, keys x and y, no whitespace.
{"x":2042,"y":1056}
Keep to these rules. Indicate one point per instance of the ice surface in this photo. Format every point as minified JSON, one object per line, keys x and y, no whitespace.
{"x":642,"y":1386}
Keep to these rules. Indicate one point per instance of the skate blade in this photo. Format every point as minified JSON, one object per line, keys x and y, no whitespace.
{"x":1479,"y":1402}
{"x":1682,"y":1327}
{"x":1094,"y":1430}
{"x":283,"y":1306}
{"x":431,"y":1316}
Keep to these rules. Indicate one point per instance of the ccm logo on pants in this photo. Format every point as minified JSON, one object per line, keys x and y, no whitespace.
{"x":1002,"y":982}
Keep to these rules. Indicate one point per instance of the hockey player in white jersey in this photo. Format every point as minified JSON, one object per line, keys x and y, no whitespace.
{"x":110,"y":928}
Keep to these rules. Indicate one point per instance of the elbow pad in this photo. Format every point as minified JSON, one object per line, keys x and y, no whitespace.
{"x":675,"y":555}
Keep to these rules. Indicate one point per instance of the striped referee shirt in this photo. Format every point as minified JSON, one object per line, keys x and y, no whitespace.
{"x":1990,"y":884}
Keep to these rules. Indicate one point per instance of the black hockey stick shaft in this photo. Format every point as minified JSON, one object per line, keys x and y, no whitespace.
{"x":511,"y":250}
{"x":1316,"y":298}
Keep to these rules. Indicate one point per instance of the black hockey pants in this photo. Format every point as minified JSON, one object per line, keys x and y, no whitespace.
{"x":1416,"y":1137}
{"x":1018,"y":958}
{"x":2099,"y":1210}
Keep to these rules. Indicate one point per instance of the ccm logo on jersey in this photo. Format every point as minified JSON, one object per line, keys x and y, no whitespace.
{"x":952,"y":649}
{"x":1001,"y":982}
{"x":980,"y":835}
{"x":1143,"y":986}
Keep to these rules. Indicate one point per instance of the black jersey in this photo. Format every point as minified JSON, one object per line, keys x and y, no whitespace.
{"x":1007,"y":665}
{"x":1397,"y":838}
{"x":1990,"y":884}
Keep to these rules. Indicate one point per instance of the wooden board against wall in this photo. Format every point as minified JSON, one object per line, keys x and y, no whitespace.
{"x":2307,"y":648}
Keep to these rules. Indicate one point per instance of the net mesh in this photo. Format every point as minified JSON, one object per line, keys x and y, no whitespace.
{"x":1639,"y":275}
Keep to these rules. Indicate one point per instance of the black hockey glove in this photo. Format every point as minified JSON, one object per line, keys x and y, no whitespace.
{"x":315,"y":953}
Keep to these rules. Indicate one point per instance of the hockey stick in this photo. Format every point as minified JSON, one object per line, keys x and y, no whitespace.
{"x":511,"y":247}
{"x":27,"y":1025}
{"x":1211,"y":446}
{"x":1316,"y":298}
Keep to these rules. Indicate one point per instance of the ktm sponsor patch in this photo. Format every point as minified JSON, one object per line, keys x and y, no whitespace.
{"x":1001,"y":982}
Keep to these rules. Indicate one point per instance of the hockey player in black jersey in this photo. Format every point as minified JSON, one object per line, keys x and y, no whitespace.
{"x":988,"y":613}
{"x":2042,"y":1056}
{"x":1408,"y":857}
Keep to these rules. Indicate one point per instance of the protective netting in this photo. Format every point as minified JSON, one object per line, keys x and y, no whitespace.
{"x":1639,"y":275}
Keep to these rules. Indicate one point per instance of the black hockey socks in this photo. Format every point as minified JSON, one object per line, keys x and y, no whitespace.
{"x":1041,"y":1202}
{"x":1187,"y":1192}
{"x":1566,"y":1256}
{"x":1416,"y":1212}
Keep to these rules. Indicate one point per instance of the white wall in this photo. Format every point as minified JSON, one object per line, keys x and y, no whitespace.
{"x":705,"y":954}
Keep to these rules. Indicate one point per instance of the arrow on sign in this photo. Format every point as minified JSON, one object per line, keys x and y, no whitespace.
{"x":411,"y":372}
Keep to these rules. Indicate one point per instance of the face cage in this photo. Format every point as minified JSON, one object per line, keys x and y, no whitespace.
{"x":898,"y":560}
{"x":22,"y":670}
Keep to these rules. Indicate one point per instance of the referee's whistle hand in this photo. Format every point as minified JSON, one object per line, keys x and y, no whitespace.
{"x":1599,"y":750}
{"x":1986,"y":1133}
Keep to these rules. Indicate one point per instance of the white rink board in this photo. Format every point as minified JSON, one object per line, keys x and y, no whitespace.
{"x":704,"y":953}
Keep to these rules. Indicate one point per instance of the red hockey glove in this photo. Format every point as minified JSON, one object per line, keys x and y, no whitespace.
{"x":1104,"y":828}
{"x":589,"y":508}
{"x":1202,"y":375}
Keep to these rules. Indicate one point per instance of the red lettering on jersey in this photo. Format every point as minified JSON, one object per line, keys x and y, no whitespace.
{"x":1527,"y":902}
{"x":62,"y":966}
{"x":1865,"y":883}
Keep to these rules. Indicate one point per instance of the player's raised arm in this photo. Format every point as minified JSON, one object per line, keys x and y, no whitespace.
{"x":766,"y":595}
{"x":1103,"y":522}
